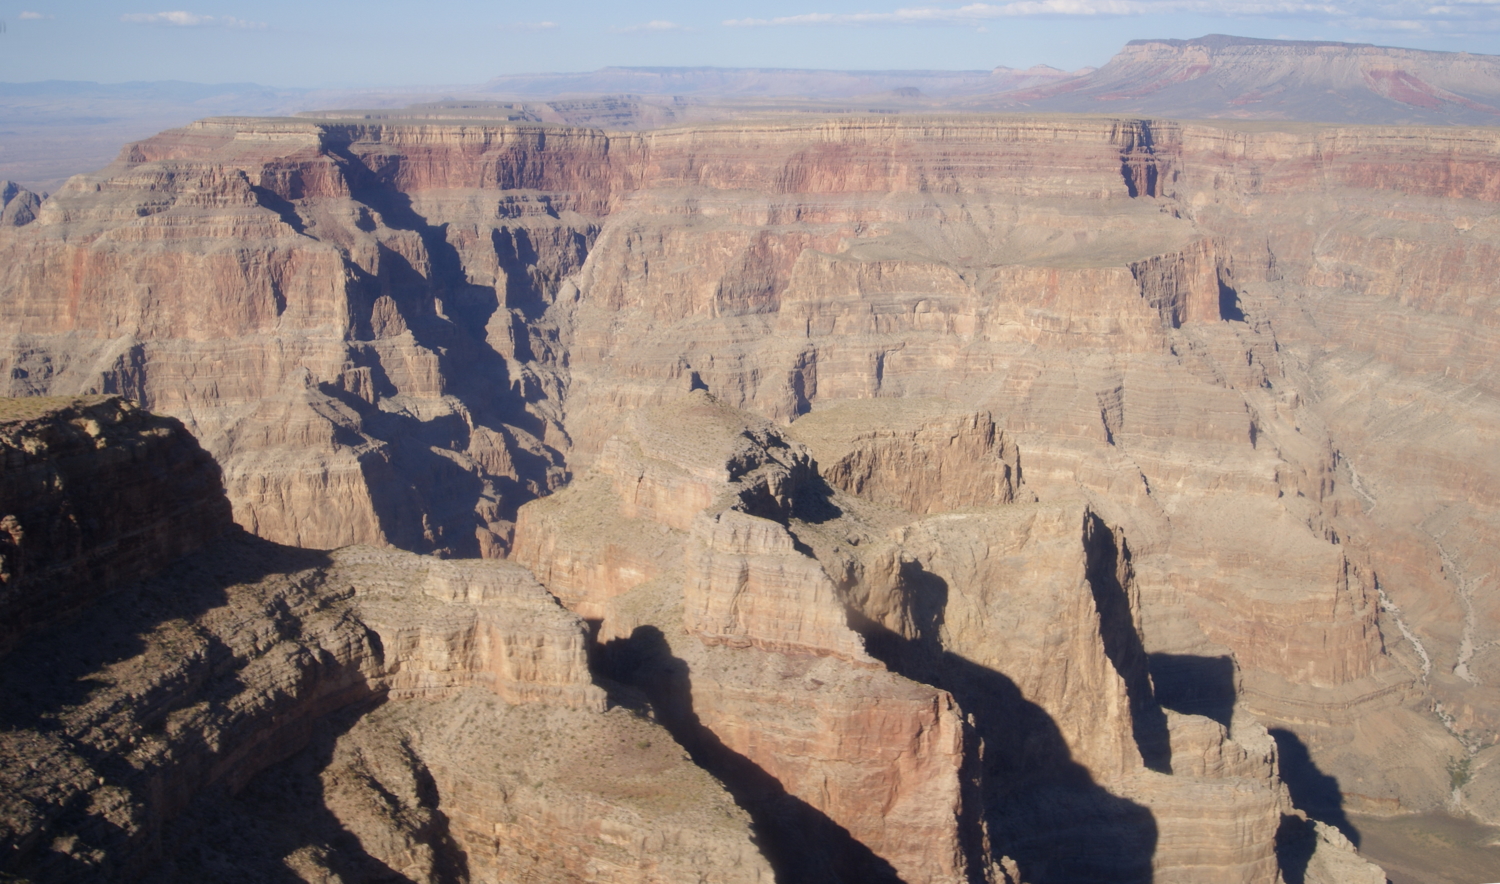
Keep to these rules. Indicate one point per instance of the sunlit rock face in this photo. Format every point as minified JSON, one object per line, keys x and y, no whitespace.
{"x":1248,"y":371}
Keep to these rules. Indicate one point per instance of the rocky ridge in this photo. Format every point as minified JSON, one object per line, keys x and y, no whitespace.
{"x":254,"y":710}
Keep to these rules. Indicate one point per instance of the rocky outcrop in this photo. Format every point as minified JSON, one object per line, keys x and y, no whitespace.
{"x":834,"y":657}
{"x":162,"y":732}
{"x":94,"y":494}
{"x":917,"y":455}
{"x":18,"y":206}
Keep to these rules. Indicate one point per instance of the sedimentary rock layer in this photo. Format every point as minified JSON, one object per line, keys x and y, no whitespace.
{"x":253,"y":710}
{"x":1175,"y":325}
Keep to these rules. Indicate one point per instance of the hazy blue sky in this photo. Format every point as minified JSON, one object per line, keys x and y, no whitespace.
{"x":381,"y":43}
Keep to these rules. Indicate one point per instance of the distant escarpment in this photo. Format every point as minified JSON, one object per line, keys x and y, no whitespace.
{"x":1225,"y":389}
{"x":1225,"y":77}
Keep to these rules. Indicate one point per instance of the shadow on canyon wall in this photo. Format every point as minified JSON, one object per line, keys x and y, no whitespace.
{"x":1044,"y":810}
{"x":246,"y":838}
{"x":1195,"y":685}
{"x":1108,"y":571}
{"x":801,"y":843}
{"x":61,"y":667}
{"x":1201,"y":685}
{"x":1315,"y":793}
{"x":425,"y":500}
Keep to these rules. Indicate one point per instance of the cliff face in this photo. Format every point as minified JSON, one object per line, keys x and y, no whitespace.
{"x":94,"y":494}
{"x":244,"y":709}
{"x":1165,"y":334}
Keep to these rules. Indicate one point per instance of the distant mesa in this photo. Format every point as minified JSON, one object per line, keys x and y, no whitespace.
{"x":1220,"y":76}
{"x":1211,"y":77}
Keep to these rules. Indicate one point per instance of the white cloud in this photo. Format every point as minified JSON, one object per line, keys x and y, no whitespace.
{"x":1377,"y":24}
{"x":182,"y":19}
{"x":657,"y":26}
{"x":973,"y":12}
{"x":1397,"y":15}
{"x":32,"y":16}
{"x":530,"y":26}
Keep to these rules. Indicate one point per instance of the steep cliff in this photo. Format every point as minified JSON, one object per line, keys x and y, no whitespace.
{"x":94,"y":494}
{"x":253,"y":710}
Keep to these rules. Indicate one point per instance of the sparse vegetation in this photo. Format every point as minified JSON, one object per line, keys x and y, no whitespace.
{"x":1459,"y":771}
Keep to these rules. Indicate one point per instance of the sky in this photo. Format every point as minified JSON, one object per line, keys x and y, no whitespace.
{"x":382,"y":43}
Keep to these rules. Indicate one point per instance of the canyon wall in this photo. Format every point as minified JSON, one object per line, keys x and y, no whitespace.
{"x":251,"y":711}
{"x":1216,"y":351}
{"x":94,"y":494}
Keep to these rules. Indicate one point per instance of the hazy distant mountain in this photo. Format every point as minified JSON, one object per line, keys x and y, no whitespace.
{"x":54,"y":129}
{"x":776,"y":82}
{"x":1238,"y":77}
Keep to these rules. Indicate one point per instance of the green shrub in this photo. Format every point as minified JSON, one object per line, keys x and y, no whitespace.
{"x":1459,"y":772}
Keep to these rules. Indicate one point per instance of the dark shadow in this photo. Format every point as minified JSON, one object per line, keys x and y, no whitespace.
{"x":1315,"y":793}
{"x":1229,"y":304}
{"x":245,"y":837}
{"x":517,"y":255}
{"x":59,"y":669}
{"x":1138,"y":166}
{"x":801,"y":843}
{"x":813,"y":500}
{"x":1043,"y":809}
{"x":281,"y":206}
{"x":1109,"y":572}
{"x":79,"y":522}
{"x":1195,"y":685}
{"x":1296,"y":840}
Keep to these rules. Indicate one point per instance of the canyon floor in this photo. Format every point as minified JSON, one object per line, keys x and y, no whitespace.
{"x":1430,"y":848}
